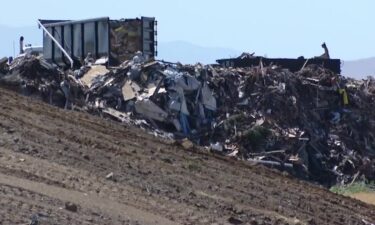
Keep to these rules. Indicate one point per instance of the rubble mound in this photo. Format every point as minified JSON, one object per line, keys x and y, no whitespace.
{"x":314,"y":124}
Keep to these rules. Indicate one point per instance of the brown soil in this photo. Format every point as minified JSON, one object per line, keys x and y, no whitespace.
{"x":49,"y":157}
{"x":365,"y":197}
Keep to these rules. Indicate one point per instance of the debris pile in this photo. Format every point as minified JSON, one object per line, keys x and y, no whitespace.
{"x":125,"y":36}
{"x":316,"y":124}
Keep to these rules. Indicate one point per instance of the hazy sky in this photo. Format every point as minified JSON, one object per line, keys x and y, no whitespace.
{"x":276,"y":28}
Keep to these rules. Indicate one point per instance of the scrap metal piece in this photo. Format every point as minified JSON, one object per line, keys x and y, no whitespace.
{"x":129,"y":90}
{"x":150,"y":110}
{"x":94,"y":72}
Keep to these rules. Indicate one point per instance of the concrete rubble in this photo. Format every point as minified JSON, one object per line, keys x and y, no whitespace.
{"x":313,"y":123}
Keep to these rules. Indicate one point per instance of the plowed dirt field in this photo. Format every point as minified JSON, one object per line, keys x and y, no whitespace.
{"x":49,"y":157}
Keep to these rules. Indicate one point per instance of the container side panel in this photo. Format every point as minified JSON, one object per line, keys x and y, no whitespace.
{"x":68,"y":39}
{"x":77,"y":44}
{"x":103,"y":38}
{"x":89,"y":40}
{"x":58,"y":36}
{"x":148,"y":37}
{"x":47,"y":45}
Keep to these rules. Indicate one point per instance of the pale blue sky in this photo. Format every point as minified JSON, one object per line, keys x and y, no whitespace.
{"x":276,"y":28}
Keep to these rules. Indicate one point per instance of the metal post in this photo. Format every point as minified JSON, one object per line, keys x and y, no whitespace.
{"x":21,"y":45}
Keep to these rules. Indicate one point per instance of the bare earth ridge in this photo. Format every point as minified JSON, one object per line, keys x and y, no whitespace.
{"x":49,"y":157}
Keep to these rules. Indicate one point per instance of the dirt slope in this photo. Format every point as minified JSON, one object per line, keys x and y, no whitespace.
{"x":365,"y":197}
{"x":49,"y":157}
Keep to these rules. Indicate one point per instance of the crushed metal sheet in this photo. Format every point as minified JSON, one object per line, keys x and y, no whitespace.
{"x":128,"y":92}
{"x":150,"y":110}
{"x":95,"y":71}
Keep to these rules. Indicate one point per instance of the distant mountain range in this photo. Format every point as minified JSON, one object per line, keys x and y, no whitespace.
{"x":175,"y":51}
{"x":186,"y":52}
{"x":359,"y":68}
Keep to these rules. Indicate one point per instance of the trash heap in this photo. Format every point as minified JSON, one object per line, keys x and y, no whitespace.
{"x":32,"y":76}
{"x":313,"y":123}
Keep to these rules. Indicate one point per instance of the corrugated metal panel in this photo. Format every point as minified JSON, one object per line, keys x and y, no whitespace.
{"x":67,"y":43}
{"x":119,"y":39}
{"x":53,"y":23}
{"x":57,"y":53}
{"x":77,"y":40}
{"x":47,"y":45}
{"x":103,"y":40}
{"x":89,"y":39}
{"x":148,"y":37}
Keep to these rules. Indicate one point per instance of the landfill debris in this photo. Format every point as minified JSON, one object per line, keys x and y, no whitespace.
{"x":313,"y":123}
{"x":365,"y":222}
{"x":93,"y":72}
{"x":187,"y":144}
{"x":34,"y":220}
{"x":4,"y":65}
{"x":125,"y":36}
{"x":71,"y":207}
{"x":233,"y":220}
{"x":109,"y":176}
{"x":217,"y":147}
